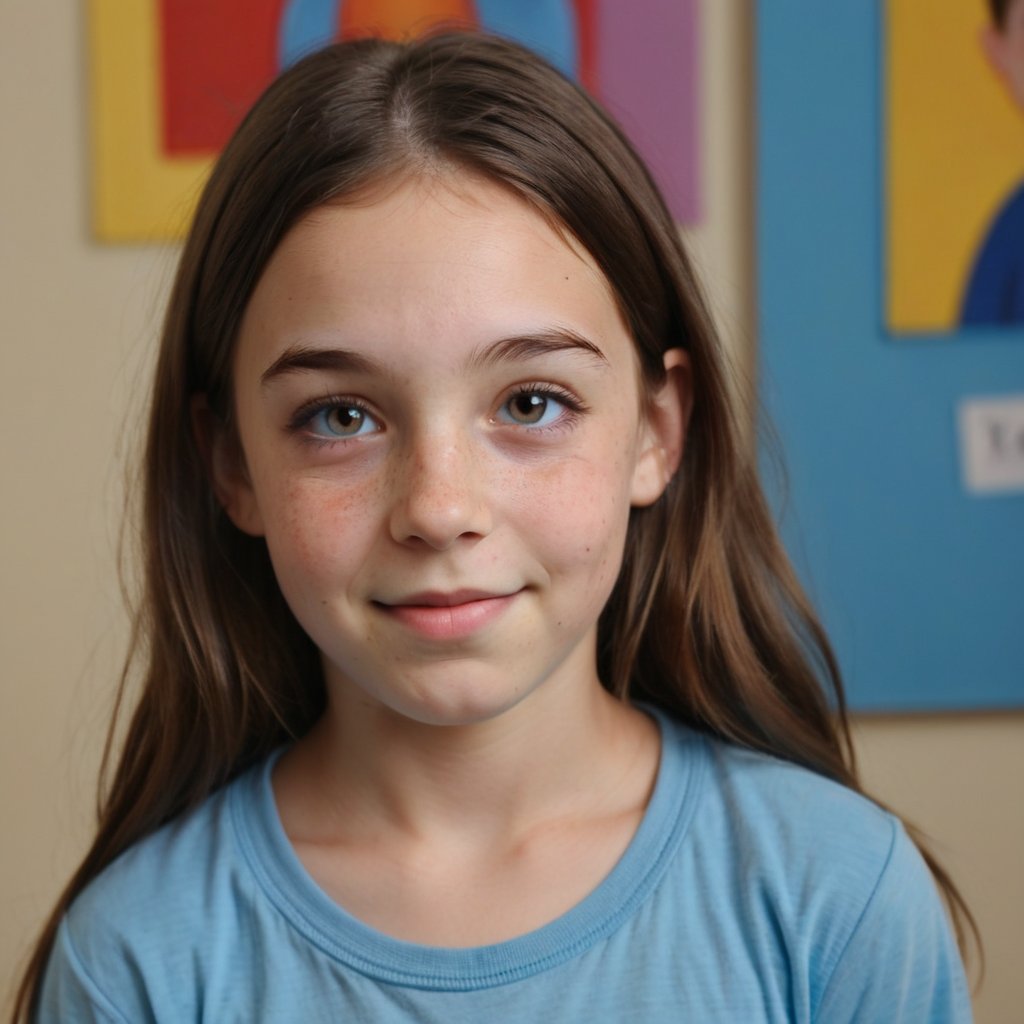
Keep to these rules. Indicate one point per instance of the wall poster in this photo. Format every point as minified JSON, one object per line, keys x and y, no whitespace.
{"x":954,"y":144}
{"x":901,"y":419}
{"x":172,"y":78}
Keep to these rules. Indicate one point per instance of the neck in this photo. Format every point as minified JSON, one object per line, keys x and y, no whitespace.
{"x":564,"y":751}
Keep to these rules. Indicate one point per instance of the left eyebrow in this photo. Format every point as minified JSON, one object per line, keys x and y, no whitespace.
{"x":534,"y":345}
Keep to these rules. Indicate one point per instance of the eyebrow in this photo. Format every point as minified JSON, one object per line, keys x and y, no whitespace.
{"x":531,"y":346}
{"x":520,"y":347}
{"x":299,"y":358}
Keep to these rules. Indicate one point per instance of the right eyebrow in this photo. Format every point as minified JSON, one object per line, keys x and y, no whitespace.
{"x":299,"y":358}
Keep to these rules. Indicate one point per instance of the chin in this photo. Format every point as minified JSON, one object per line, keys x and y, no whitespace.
{"x":455,"y":707}
{"x":453,"y":694}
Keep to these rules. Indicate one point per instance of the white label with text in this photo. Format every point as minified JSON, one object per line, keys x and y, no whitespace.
{"x":992,"y":443}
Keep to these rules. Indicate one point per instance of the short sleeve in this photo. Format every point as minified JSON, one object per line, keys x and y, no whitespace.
{"x":901,"y":963}
{"x":69,"y":995}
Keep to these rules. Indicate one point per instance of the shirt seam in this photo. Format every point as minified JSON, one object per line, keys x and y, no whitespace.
{"x":102,"y":1002}
{"x":868,"y":904}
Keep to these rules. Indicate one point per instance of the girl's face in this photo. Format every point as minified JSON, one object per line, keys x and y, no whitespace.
{"x":442,"y":435}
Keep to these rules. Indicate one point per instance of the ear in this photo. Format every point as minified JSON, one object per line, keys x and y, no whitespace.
{"x":225,"y":467}
{"x":664,"y":430}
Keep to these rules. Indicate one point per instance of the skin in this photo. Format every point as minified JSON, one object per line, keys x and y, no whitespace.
{"x":446,"y":506}
{"x":1004,"y":49}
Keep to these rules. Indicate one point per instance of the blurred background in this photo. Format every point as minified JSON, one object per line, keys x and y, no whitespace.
{"x":78,"y":328}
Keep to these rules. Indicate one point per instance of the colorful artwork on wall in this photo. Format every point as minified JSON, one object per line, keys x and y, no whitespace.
{"x":172,"y":79}
{"x":954,"y":157}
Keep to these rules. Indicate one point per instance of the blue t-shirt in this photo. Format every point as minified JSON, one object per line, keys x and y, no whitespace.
{"x":752,"y":891}
{"x":995,"y":289}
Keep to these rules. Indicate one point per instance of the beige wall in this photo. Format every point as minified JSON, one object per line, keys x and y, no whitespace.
{"x":77,"y":324}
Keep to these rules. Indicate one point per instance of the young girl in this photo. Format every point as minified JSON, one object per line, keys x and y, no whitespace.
{"x":478,"y":687}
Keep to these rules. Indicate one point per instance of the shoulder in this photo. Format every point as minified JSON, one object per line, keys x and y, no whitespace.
{"x":811,"y":846}
{"x":143,"y":924}
{"x":1011,"y":212}
{"x":993,"y":293}
{"x":163,"y":874}
{"x":824,"y":880}
{"x":813,"y":843}
{"x":1000,"y":247}
{"x":779,"y":805}
{"x":1007,"y":224}
{"x":778,"y":812}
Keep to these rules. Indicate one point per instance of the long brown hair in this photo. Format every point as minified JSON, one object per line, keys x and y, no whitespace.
{"x":706,"y":620}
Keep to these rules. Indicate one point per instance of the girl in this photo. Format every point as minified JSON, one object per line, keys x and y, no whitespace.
{"x":478,"y":686}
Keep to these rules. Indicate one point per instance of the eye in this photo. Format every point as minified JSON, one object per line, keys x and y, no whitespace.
{"x":541,"y":407}
{"x":341,"y":419}
{"x":536,"y":407}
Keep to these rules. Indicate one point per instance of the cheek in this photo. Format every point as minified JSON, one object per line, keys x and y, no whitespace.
{"x":313,"y":526}
{"x":579,"y":511}
{"x":1015,"y":50}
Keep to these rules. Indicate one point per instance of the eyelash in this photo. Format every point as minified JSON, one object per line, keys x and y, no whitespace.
{"x":573,"y":407}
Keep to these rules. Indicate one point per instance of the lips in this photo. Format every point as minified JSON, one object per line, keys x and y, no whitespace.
{"x":447,"y":615}
{"x":441,"y":599}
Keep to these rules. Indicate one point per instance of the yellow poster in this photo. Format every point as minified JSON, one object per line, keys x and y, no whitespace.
{"x":140,"y":192}
{"x":954,"y":89}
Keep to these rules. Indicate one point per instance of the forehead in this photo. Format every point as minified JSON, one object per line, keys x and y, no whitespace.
{"x":435,"y":263}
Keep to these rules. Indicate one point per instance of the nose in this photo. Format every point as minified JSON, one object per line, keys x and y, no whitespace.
{"x":439,"y":494}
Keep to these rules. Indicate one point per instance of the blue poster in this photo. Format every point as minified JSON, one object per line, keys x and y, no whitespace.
{"x":904,"y":505}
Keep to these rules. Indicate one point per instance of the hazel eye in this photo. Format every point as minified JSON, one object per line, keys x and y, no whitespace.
{"x":342,"y":420}
{"x":532,"y":409}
